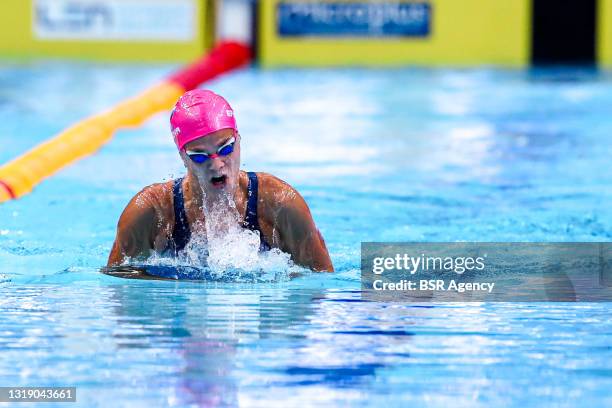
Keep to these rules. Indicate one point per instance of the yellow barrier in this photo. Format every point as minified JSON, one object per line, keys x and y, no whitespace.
{"x":19,"y":37}
{"x":463,"y":32}
{"x":604,"y":33}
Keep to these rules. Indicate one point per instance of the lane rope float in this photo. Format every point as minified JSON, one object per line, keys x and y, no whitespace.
{"x":19,"y":176}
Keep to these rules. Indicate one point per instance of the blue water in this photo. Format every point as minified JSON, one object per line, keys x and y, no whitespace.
{"x":379,"y":155}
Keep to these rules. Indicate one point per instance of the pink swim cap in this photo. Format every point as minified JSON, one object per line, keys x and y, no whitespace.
{"x":197,"y":113}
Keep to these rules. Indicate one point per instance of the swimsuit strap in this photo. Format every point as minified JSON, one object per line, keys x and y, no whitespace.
{"x":181,"y":232}
{"x":250,"y":218}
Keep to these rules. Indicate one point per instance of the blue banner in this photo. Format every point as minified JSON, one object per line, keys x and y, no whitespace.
{"x":360,"y":19}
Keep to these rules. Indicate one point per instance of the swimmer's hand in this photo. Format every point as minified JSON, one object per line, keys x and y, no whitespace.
{"x":131,"y":272}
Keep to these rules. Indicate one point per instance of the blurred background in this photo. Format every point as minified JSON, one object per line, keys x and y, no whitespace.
{"x":314,"y":33}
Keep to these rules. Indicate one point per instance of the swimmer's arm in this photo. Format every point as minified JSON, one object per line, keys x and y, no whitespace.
{"x":135,"y":231}
{"x":300,"y":236}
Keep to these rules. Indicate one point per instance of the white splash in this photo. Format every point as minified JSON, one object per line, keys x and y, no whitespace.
{"x":226,"y":249}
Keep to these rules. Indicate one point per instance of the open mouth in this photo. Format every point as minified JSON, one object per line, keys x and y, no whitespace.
{"x":218,"y":182}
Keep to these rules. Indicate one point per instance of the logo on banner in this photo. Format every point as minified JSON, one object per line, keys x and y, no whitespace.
{"x":157,"y":20}
{"x":347,"y":19}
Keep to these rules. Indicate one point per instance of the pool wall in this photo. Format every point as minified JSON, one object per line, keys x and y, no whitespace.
{"x":299,"y":33}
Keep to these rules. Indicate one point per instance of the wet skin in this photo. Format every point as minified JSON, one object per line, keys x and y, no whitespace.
{"x":284,"y":217}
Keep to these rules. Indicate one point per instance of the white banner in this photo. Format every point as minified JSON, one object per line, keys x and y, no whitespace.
{"x":136,"y":20}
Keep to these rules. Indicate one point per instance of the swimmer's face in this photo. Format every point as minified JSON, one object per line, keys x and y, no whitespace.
{"x":216,"y":174}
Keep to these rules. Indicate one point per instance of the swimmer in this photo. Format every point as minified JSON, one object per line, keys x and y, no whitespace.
{"x":162,"y":217}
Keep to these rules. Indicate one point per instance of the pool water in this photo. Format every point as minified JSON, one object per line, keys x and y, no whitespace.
{"x":379,"y":155}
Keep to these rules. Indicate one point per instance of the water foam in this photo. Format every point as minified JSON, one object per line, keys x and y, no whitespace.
{"x":220,"y":249}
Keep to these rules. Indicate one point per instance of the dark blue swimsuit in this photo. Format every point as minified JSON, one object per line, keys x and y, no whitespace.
{"x":181,"y":233}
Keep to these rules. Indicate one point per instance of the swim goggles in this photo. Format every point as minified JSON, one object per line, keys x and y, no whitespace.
{"x":199,"y":157}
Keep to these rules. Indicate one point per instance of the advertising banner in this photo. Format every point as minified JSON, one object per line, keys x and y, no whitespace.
{"x":353,"y":19}
{"x":127,"y":20}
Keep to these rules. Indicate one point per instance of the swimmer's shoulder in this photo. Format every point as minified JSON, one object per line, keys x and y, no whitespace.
{"x":153,"y":203}
{"x":296,"y":233}
{"x":157,"y":195}
{"x":142,"y":226}
{"x":276,"y":195}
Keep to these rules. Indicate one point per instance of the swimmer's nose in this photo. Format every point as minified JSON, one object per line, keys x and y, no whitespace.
{"x":216,"y":164}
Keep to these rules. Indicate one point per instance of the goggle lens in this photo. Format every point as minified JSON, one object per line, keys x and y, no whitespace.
{"x":225,"y":150}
